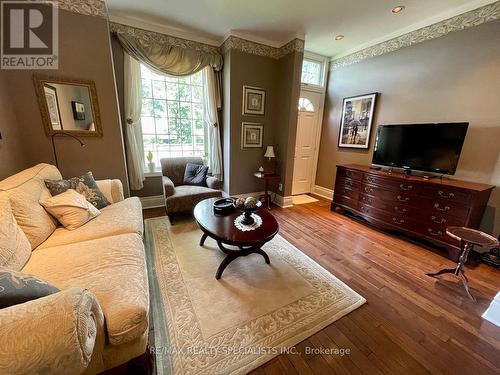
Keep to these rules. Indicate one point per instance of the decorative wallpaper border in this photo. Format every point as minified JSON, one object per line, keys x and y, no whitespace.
{"x":95,"y":8}
{"x":463,"y":21}
{"x":247,"y":46}
{"x":152,"y":37}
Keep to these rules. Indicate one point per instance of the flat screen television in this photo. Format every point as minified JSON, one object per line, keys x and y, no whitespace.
{"x":425,"y":147}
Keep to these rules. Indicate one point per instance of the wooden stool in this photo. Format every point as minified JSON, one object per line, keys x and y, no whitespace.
{"x":468,"y":238}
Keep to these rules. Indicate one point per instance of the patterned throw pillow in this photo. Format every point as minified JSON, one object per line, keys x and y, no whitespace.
{"x":85,"y":185}
{"x":195,"y":174}
{"x":17,"y":287}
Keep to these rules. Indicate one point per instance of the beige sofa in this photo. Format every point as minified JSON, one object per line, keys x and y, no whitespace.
{"x":99,"y":319}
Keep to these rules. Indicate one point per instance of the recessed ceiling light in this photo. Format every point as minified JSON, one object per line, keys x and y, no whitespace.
{"x":339,"y":37}
{"x":398,"y":9}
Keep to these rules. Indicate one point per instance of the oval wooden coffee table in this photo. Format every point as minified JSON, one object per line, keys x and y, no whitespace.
{"x":222,"y":229}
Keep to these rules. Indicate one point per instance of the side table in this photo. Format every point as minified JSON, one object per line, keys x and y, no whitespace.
{"x":267,"y":177}
{"x":468,"y":238}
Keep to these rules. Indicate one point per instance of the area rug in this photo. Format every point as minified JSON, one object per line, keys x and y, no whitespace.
{"x":303,"y":199}
{"x":235,"y":324}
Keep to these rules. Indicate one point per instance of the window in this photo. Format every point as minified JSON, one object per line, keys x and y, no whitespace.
{"x":172,"y":115}
{"x":305,"y":105}
{"x":312,"y":72}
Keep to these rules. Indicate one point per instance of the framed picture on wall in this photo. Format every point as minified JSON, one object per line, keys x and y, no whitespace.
{"x":254,"y":101}
{"x":251,"y":135}
{"x":53,"y":106}
{"x":356,"y":121}
{"x":78,"y":110}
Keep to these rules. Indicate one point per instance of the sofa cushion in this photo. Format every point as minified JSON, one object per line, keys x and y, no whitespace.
{"x":118,"y":218}
{"x":17,"y":287}
{"x":25,"y":190}
{"x":195,"y":174}
{"x":84,"y":185}
{"x":71,"y":209}
{"x":113,"y":268}
{"x":15,"y":248}
{"x":186,"y":197}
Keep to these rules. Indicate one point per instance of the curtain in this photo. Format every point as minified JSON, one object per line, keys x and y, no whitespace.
{"x":169,"y":59}
{"x":133,"y":129}
{"x":212,"y":99}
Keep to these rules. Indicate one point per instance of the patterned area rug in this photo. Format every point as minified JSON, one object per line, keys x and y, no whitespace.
{"x":233,"y":325}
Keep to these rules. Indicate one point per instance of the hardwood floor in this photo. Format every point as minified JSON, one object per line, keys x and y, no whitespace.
{"x":411,"y":324}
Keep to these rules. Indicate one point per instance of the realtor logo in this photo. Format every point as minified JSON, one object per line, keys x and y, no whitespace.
{"x":29,"y":37}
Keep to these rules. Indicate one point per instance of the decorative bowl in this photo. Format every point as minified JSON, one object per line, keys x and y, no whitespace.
{"x":248,"y":220}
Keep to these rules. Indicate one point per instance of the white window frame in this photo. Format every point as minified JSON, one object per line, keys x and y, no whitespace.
{"x":323,"y":60}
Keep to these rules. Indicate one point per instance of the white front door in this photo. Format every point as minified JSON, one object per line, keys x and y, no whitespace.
{"x":305,"y":144}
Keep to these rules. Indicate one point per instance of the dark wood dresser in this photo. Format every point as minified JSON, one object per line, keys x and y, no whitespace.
{"x":413,"y":205}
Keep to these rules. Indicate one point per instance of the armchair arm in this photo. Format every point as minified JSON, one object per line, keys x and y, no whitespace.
{"x":168,"y":186}
{"x":54,"y":334}
{"x":214,"y":183}
{"x":111,"y":189}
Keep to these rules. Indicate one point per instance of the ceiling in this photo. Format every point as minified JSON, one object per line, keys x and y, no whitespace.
{"x":275,"y":22}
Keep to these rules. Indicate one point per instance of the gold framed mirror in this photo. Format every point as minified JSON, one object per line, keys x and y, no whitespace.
{"x":68,"y":105}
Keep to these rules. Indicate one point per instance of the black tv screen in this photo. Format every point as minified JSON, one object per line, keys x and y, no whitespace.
{"x":425,"y":147}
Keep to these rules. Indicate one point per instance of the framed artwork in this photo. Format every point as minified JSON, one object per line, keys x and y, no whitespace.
{"x":254,"y":101}
{"x":251,"y":135}
{"x":78,"y":110}
{"x":356,"y":121}
{"x":53,"y":107}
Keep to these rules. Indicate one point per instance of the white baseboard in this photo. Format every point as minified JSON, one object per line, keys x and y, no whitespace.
{"x":153,"y":201}
{"x":323,"y":192}
{"x":283,"y":202}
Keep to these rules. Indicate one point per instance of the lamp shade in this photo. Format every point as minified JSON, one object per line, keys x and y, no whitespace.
{"x":270,"y":152}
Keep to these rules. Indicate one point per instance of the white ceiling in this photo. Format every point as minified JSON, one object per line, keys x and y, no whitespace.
{"x":275,"y":22}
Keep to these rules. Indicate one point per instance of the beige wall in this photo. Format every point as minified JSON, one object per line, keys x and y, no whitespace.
{"x":281,"y":80}
{"x":12,"y":154}
{"x":85,"y":53}
{"x":452,"y":78}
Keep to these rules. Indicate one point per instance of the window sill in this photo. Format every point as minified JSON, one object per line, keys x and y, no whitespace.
{"x":152,"y":174}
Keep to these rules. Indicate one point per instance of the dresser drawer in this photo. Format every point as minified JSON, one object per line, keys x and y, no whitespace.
{"x":440,"y":206}
{"x":391,"y":184}
{"x":434,"y":218}
{"x":393,"y":219}
{"x":391,"y":207}
{"x":447,"y":194}
{"x":347,"y":192}
{"x":435,"y":232}
{"x":348,"y":183}
{"x":389,"y":195}
{"x":345,"y":201}
{"x":349,"y":173}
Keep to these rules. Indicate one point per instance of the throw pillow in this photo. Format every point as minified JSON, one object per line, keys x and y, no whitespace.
{"x":71,"y":209}
{"x":195,"y":174}
{"x":84,"y":185}
{"x":17,"y":287}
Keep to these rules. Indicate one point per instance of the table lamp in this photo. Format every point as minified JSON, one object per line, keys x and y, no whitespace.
{"x":270,"y":154}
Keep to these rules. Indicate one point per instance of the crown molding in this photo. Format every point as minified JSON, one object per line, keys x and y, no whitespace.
{"x":235,"y":43}
{"x":162,"y":29}
{"x":96,"y":8}
{"x":459,"y":22}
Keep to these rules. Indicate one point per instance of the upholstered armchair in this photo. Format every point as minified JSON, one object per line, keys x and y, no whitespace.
{"x":180,"y":198}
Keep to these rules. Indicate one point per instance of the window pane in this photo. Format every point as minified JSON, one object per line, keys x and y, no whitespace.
{"x":311,"y":72}
{"x":172,"y":115}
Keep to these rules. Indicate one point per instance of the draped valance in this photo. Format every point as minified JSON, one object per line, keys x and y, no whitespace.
{"x":167,"y":54}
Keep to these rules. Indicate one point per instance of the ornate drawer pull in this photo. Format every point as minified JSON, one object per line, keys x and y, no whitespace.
{"x":407,"y":187}
{"x":369,"y":179}
{"x":398,"y":221}
{"x":368,"y":189}
{"x":438,"y":233}
{"x":347,"y":182}
{"x":401,"y":199}
{"x":434,"y":219}
{"x":366,"y":199}
{"x":438,"y":207}
{"x":365,"y":209}
{"x":397,"y":209}
{"x":446,"y":195}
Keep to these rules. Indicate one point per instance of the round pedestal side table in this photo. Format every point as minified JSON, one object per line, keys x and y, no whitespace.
{"x":468,"y":238}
